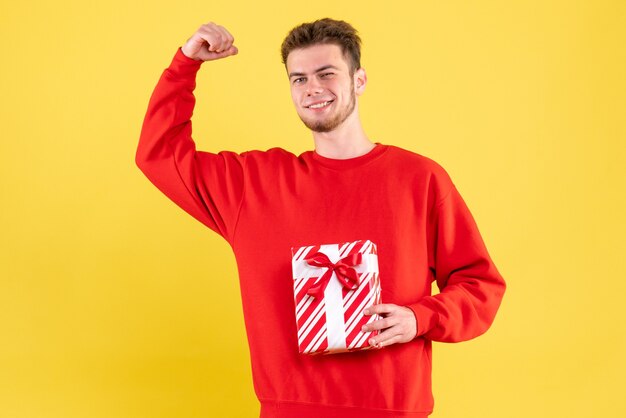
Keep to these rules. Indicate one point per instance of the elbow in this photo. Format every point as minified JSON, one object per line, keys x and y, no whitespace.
{"x":142,"y":164}
{"x":142,"y":159}
{"x":146,"y":166}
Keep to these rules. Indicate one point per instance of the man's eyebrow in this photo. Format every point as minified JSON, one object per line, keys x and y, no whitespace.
{"x":325,"y":67}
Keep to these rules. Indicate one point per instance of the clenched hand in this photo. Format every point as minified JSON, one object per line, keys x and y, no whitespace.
{"x":210,"y":42}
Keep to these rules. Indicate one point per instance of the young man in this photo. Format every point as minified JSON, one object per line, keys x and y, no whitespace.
{"x":264,"y":203}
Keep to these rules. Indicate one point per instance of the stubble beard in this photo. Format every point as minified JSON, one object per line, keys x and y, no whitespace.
{"x":331,"y":123}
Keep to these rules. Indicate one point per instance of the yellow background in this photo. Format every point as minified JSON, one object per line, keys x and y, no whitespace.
{"x":115,"y":303}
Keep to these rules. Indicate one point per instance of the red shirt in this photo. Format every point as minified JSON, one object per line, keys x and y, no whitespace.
{"x":263,"y":203}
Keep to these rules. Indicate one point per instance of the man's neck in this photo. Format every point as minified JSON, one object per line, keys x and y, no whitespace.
{"x":346,"y":141}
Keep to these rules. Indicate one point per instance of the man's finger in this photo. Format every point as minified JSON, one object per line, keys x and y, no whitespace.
{"x":380,"y":308}
{"x":393,"y":340}
{"x":230,"y":51}
{"x":384,"y":337}
{"x":380,"y":324}
{"x":225,"y":38}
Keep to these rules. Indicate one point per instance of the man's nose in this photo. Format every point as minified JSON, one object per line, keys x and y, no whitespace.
{"x":313,"y":86}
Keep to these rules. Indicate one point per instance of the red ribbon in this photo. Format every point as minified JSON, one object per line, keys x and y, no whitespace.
{"x":346,"y":275}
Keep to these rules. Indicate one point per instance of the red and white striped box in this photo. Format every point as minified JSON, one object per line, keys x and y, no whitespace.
{"x":332,"y":285}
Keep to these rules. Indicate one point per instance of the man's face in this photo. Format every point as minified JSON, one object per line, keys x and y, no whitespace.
{"x":321,"y":86}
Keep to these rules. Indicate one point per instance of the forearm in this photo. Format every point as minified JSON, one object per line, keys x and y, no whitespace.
{"x":464,"y":309}
{"x":166,"y":130}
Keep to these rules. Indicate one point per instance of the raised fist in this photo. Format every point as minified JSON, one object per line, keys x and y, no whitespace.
{"x":210,"y":42}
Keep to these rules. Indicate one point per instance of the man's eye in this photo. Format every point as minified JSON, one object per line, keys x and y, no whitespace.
{"x":298,"y":80}
{"x":326,"y":74}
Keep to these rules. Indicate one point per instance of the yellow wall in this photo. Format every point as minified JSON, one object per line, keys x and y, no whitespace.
{"x":115,"y":303}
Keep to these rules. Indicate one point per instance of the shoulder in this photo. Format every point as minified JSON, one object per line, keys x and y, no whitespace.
{"x":425,"y":172}
{"x":415,"y":162}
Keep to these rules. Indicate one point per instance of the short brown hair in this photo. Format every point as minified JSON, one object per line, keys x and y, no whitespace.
{"x":325,"y":31}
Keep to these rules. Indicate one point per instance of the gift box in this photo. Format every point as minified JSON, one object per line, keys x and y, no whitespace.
{"x":332,"y":285}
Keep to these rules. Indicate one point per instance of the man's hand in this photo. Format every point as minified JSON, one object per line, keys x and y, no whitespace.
{"x":398,"y":323}
{"x":210,"y":42}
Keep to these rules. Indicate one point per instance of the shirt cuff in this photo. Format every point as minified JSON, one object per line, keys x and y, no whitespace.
{"x":184,"y":67}
{"x":425,"y":317}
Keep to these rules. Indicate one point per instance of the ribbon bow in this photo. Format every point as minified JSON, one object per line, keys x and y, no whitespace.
{"x":346,"y":275}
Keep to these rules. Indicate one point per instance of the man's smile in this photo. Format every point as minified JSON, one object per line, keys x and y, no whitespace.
{"x":319,"y":105}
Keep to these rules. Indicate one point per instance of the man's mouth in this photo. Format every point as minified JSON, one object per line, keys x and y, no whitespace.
{"x":319,"y":105}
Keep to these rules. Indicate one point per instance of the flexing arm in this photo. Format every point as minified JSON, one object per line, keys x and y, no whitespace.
{"x":206,"y":185}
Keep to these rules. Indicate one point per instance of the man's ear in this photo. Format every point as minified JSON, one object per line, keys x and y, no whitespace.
{"x":360,"y":80}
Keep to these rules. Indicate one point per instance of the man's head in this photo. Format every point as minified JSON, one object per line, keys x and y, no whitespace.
{"x":322,"y":60}
{"x":325,"y":31}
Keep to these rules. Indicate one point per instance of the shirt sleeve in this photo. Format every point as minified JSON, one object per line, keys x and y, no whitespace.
{"x":208,"y":186}
{"x":471,"y":288}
